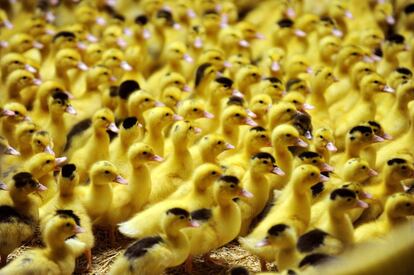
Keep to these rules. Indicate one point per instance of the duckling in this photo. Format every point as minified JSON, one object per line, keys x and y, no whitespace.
{"x":130,"y":131}
{"x":178,"y":166}
{"x":397,"y":208}
{"x":246,"y":77}
{"x":338,"y":11}
{"x":19,"y":86}
{"x":214,"y":56}
{"x":273,"y":87}
{"x":281,"y":113}
{"x":11,"y":62}
{"x":66,"y":199}
{"x":93,"y":53}
{"x":235,"y":63}
{"x":255,"y":181}
{"x":126,"y":88}
{"x":260,"y":105}
{"x":96,"y":146}
{"x":329,"y":48}
{"x":193,"y":194}
{"x":324,"y":143}
{"x":19,"y":213}
{"x":9,"y":123}
{"x":114,"y":59}
{"x":6,"y":149}
{"x":156,"y":120}
{"x":208,"y":149}
{"x":171,"y":79}
{"x":171,"y":97}
{"x":58,"y":105}
{"x":61,"y":251}
{"x":271,"y":64}
{"x":192,"y":110}
{"x":142,"y":257}
{"x":112,"y":37}
{"x":23,"y":135}
{"x":283,"y":34}
{"x":337,"y":222}
{"x":295,"y":66}
{"x":97,"y":196}
{"x":224,"y":224}
{"x":204,"y":75}
{"x":394,"y":44}
{"x":139,"y":102}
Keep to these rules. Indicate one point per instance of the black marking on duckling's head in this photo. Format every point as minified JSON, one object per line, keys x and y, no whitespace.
{"x":127,"y":88}
{"x":361,"y":129}
{"x":141,"y":20}
{"x":264,"y":155}
{"x":67,"y":213}
{"x":178,"y":212}
{"x":292,"y":82}
{"x":273,"y":79}
{"x":291,"y":272}
{"x":238,"y":270}
{"x":275,"y":230}
{"x":200,"y":73}
{"x":285,"y":23}
{"x":167,"y":15}
{"x":235,"y":100}
{"x":225,"y":81}
{"x":129,"y":122}
{"x":327,"y":19}
{"x":342,"y":192}
{"x":309,"y":155}
{"x":23,"y":179}
{"x":374,"y":124}
{"x":409,"y":8}
{"x":229,"y":179}
{"x":257,"y":129}
{"x":314,"y":259}
{"x":378,"y":52}
{"x":60,"y":96}
{"x":119,"y":17}
{"x":113,"y":91}
{"x":311,"y":240}
{"x":64,"y":34}
{"x":395,"y":38}
{"x":317,"y":189}
{"x":207,"y":12}
{"x":203,"y":214}
{"x":404,"y":70}
{"x":68,"y":169}
{"x":396,"y":161}
{"x":140,"y":247}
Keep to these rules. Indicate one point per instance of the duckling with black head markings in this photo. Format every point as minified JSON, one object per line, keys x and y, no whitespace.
{"x":272,"y":87}
{"x":205,"y":74}
{"x":318,"y":241}
{"x":281,"y":113}
{"x":394,"y":44}
{"x":139,"y":102}
{"x":126,"y":88}
{"x":172,"y":245}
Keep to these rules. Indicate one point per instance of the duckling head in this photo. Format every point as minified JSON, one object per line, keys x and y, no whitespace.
{"x":284,"y":30}
{"x":173,"y":79}
{"x":399,"y":168}
{"x":214,"y":144}
{"x":194,"y":109}
{"x":211,"y":21}
{"x":19,"y":112}
{"x":104,"y":119}
{"x":318,"y":241}
{"x":62,"y":226}
{"x":297,"y":64}
{"x":205,"y":175}
{"x":161,"y":116}
{"x":325,"y":75}
{"x":152,"y":6}
{"x":327,"y":27}
{"x":177,"y":51}
{"x":406,"y":90}
{"x":377,"y":129}
{"x":249,"y":31}
{"x":68,"y":179}
{"x":358,"y":189}
{"x":103,"y":172}
{"x":11,"y":62}
{"x":260,"y":104}
{"x":98,"y":75}
{"x":46,"y":89}
{"x":236,"y":62}
{"x":324,"y":139}
{"x":223,"y":86}
{"x":24,"y":132}
{"x":227,"y":188}
{"x":196,"y":36}
{"x":20,"y":79}
{"x":130,"y":129}
{"x":273,"y":87}
{"x":330,"y":46}
{"x":362,"y":136}
{"x":42,"y":142}
{"x":339,"y":9}
{"x":287,"y":135}
{"x":257,"y":137}
{"x":171,"y":97}
{"x":163,"y":19}
{"x":43,"y":163}
{"x":115,"y":58}
{"x":308,"y":175}
{"x":214,"y":56}
{"x":265,"y":163}
{"x":176,"y":219}
{"x":21,"y":42}
{"x":182,"y":132}
{"x":394,"y":44}
{"x":6,"y":149}
{"x":93,"y":53}
{"x":79,"y":31}
{"x":398,"y":76}
{"x":313,"y":158}
{"x":86,"y":14}
{"x":26,"y":184}
{"x":140,"y":153}
{"x":349,"y":55}
{"x":280,"y":113}
{"x":59,"y":103}
{"x":383,"y":13}
{"x":111,"y":37}
{"x":275,"y":58}
{"x":237,"y":115}
{"x":358,"y":170}
{"x":307,"y":22}
{"x":248,"y":74}
{"x":342,"y":199}
{"x":400,"y":205}
{"x":359,"y":71}
{"x":65,"y":40}
{"x":279,"y":235}
{"x":140,"y":101}
{"x":69,"y":59}
{"x":372,"y":38}
{"x":138,"y":28}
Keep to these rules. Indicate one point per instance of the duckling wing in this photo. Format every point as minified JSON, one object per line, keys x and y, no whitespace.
{"x":31,"y":262}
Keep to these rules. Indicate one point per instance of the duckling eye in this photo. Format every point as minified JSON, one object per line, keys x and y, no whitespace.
{"x":312,"y":174}
{"x":68,"y":225}
{"x":226,"y":86}
{"x":403,"y":167}
{"x":182,"y":217}
{"x":321,"y":136}
{"x":367,"y":134}
{"x":314,"y":161}
{"x":217,"y":58}
{"x":38,"y":142}
{"x":103,"y":118}
{"x":107,"y":172}
{"x":288,"y":135}
{"x":288,"y":110}
{"x":17,"y":112}
{"x":144,"y":153}
{"x":295,"y":101}
{"x":190,"y":128}
{"x":219,"y":142}
{"x":376,"y":82}
{"x":24,"y":77}
{"x":357,"y":192}
{"x":147,"y":99}
{"x":237,"y":115}
{"x":301,"y":87}
{"x":408,"y":204}
{"x":48,"y":161}
{"x":265,"y":162}
{"x":261,"y":101}
{"x":167,"y":114}
{"x":195,"y":110}
{"x":254,"y":74}
{"x":262,"y":136}
{"x":114,"y":58}
{"x":354,"y":54}
{"x":349,"y":199}
{"x":329,"y":74}
{"x":364,"y":167}
{"x":232,"y":186}
{"x":31,"y":131}
{"x":214,"y":173}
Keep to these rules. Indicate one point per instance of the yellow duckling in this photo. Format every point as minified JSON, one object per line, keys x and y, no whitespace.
{"x":224,"y":221}
{"x":193,"y":194}
{"x":6,"y":149}
{"x":296,"y":66}
{"x":171,"y":79}
{"x":234,"y":64}
{"x":96,"y":146}
{"x":397,"y":208}
{"x":156,"y":119}
{"x":139,"y":102}
{"x":10,"y":121}
{"x":214,"y":56}
{"x":324,"y":143}
{"x":67,"y":200}
{"x":273,"y":87}
{"x":192,"y":110}
{"x":394,"y":44}
{"x":23,"y":135}
{"x":281,"y":113}
{"x":11,"y":62}
{"x":271,"y":64}
{"x":93,"y":53}
{"x":260,"y":105}
{"x":112,"y":37}
{"x":126,"y":88}
{"x":171,"y":97}
{"x":204,"y":75}
{"x":59,"y":255}
{"x":97,"y":196}
{"x":142,"y":257}
{"x":178,"y":166}
{"x":246,"y":77}
{"x":208,"y":148}
{"x":329,"y":48}
{"x":19,"y":87}
{"x":338,"y":11}
{"x":255,"y":181}
{"x":19,"y":213}
{"x":114,"y":59}
{"x":283,"y":34}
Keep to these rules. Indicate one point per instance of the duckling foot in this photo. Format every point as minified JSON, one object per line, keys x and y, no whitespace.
{"x":3,"y":260}
{"x":263,"y":265}
{"x":88,"y":255}
{"x":188,"y":265}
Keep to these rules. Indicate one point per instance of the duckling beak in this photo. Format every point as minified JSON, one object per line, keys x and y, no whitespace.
{"x":79,"y":230}
{"x":245,"y":194}
{"x":262,"y":243}
{"x":300,"y":33}
{"x":250,"y":113}
{"x":188,"y":58}
{"x":11,"y":151}
{"x":146,"y":34}
{"x":276,"y":170}
{"x":6,"y":112}
{"x":37,"y":81}
{"x":208,"y":115}
{"x":49,"y":150}
{"x":177,"y":117}
{"x":38,"y":45}
{"x":388,"y":89}
{"x":308,"y":135}
{"x":193,"y":223}
{"x":331,"y":147}
{"x":100,"y":21}
{"x":227,"y":64}
{"x":250,"y":122}
{"x":3,"y":186}
{"x":361,"y":204}
{"x":348,"y":14}
{"x":121,"y":42}
{"x":60,"y":161}
{"x":198,"y":43}
{"x":237,"y":93}
{"x":81,"y":46}
{"x":229,"y":146}
{"x":91,"y":38}
{"x":376,"y":138}
{"x":112,"y":127}
{"x":290,"y":12}
{"x":326,"y":167}
{"x":82,"y":66}
{"x":260,"y":36}
{"x":27,"y":118}
{"x":386,"y":136}
{"x":125,"y":66}
{"x":120,"y":180}
{"x":70,"y":110}
{"x":337,"y":33}
{"x":372,"y":172}
{"x":29,"y":68}
{"x":365,"y":195}
{"x":8,"y":24}
{"x":323,"y":178}
{"x":159,"y":104}
{"x":156,"y":158}
{"x":244,"y":43}
{"x":187,"y":89}
{"x":275,"y":66}
{"x":191,"y":13}
{"x":41,"y":187}
{"x":301,"y":143}
{"x":390,"y":20}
